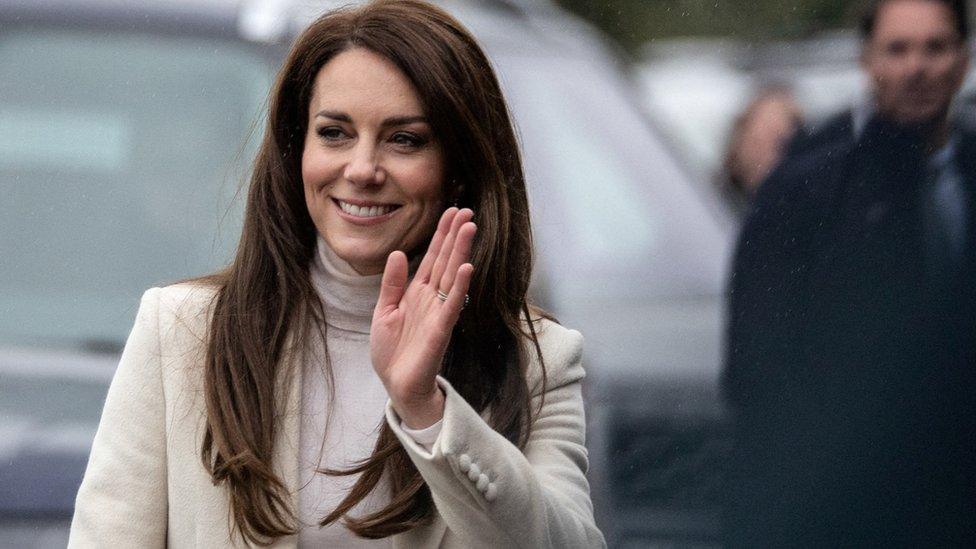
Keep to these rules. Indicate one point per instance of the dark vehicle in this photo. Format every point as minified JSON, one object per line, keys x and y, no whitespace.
{"x":125,"y":132}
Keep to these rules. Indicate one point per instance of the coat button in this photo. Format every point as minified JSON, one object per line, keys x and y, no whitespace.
{"x":492,"y":492}
{"x":473,"y":472}
{"x":482,"y":484}
{"x":464,"y":462}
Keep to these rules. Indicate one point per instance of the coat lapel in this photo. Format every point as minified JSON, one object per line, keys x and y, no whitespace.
{"x":966,"y":158}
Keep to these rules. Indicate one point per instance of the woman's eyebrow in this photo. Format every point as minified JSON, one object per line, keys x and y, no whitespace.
{"x":334,"y":115}
{"x":391,"y":121}
{"x":403,"y":120}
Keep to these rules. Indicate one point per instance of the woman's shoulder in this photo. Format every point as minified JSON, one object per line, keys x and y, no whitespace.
{"x":561,"y":349}
{"x":186,"y":296}
{"x":185,"y":305}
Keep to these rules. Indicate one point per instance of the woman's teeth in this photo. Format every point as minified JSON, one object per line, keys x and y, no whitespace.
{"x":364,"y":211}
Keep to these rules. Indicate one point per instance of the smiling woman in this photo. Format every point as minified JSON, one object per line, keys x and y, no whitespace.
{"x":246,"y":404}
{"x":373,"y":172}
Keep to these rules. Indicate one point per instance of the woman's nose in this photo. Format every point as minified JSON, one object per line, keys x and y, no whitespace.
{"x":364,"y":166}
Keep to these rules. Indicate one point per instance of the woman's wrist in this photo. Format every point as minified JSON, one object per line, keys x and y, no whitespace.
{"x":421,"y":413}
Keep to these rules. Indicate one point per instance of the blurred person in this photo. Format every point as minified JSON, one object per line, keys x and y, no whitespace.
{"x":758,"y":142}
{"x":852,"y":337}
{"x":366,"y":373}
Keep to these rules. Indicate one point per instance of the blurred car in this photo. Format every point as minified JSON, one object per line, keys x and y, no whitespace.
{"x":695,"y":88}
{"x":126,"y":129}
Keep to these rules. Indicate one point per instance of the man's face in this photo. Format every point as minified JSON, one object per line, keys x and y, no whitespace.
{"x":916,"y":60}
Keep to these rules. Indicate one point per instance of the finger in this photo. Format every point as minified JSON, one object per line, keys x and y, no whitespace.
{"x":444,"y":254}
{"x":436,"y":241}
{"x":440,"y":263}
{"x":460,"y":254}
{"x":394,"y":281}
{"x":455,"y":299}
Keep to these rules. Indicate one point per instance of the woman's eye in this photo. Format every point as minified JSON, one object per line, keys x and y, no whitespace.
{"x":331,"y":133}
{"x":408,"y":140}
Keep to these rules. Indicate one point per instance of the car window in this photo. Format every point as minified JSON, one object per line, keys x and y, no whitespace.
{"x":120,"y":156}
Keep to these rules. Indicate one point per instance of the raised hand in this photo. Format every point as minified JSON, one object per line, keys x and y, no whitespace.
{"x":412,"y":325}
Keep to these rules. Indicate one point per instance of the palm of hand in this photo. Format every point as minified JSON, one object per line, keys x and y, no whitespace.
{"x":409,"y":337}
{"x":412,"y":326}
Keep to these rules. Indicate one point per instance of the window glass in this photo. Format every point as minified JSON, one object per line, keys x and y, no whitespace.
{"x":120,"y":158}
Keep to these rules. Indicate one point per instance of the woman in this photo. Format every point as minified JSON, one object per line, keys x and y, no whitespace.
{"x":365,"y":373}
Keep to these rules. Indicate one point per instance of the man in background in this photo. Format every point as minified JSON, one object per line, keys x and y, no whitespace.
{"x":852,"y":328}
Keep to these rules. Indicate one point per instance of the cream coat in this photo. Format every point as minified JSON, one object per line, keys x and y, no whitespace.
{"x":146,"y":486}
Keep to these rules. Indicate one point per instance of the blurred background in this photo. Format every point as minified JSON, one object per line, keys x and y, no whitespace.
{"x":127,"y":128}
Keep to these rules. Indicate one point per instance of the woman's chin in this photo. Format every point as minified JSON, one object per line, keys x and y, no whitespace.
{"x":362,"y":261}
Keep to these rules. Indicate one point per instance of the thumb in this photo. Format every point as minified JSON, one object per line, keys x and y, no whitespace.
{"x":394,"y":281}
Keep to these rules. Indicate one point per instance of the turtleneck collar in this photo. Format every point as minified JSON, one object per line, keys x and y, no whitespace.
{"x":347,"y":297}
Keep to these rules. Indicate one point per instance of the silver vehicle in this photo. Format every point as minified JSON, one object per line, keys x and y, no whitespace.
{"x":125,"y":131}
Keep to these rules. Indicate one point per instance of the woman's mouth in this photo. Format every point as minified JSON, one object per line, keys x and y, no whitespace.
{"x":365,"y":211}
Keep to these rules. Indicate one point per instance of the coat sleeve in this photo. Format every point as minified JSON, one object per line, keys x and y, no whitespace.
{"x":767,"y":288}
{"x":122,"y":501}
{"x":489,"y":492}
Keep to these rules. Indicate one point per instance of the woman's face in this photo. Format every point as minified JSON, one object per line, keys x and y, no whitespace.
{"x":372,"y":168}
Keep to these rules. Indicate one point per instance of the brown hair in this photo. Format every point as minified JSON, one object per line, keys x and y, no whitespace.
{"x":265,"y":296}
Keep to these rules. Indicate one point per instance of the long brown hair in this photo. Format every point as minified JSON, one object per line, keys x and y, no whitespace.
{"x":265,"y":296}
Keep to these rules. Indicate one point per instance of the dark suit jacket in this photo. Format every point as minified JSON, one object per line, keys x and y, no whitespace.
{"x":849,"y":369}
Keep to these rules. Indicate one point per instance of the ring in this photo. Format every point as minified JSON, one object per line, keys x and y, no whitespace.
{"x":443,"y":297}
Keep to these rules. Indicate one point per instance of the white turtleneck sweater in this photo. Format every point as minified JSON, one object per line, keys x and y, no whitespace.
{"x":341,"y":419}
